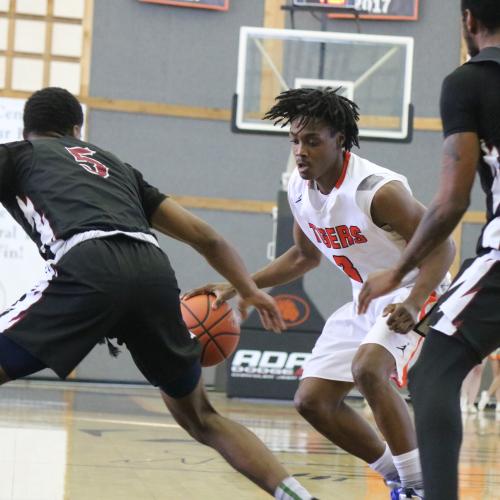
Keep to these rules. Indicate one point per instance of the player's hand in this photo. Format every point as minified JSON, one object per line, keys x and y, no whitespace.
{"x":402,"y":317}
{"x":377,"y":284}
{"x":222,"y":291}
{"x":266,"y":307}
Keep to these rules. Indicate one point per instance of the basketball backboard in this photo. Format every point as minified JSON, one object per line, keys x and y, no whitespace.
{"x":374,"y":71}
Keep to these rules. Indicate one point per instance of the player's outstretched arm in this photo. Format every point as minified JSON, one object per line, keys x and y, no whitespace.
{"x":459,"y":163}
{"x":300,"y":258}
{"x":173,"y":220}
{"x":394,"y":206}
{"x":294,"y":263}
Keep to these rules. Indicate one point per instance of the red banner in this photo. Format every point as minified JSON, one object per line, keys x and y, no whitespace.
{"x":198,"y":4}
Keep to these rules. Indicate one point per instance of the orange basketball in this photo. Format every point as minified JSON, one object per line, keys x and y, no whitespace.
{"x":217,"y":329}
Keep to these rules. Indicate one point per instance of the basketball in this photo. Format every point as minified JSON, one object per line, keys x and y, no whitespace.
{"x":217,"y":329}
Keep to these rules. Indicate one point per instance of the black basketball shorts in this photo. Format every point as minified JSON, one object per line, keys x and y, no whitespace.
{"x":471,"y":306}
{"x":114,"y":287}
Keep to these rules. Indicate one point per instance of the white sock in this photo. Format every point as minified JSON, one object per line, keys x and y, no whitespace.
{"x":385,"y":465}
{"x":291,"y":489}
{"x":409,"y":469}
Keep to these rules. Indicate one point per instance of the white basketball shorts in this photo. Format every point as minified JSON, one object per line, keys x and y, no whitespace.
{"x":345,"y":330}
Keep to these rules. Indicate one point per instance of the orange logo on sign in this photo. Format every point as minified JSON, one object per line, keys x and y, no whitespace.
{"x":294,"y":309}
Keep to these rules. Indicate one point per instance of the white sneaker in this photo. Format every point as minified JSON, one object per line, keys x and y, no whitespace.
{"x":471,"y":408}
{"x":483,"y":401}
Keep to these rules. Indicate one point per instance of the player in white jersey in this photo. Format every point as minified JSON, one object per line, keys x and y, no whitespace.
{"x":340,"y":225}
{"x":359,"y":216}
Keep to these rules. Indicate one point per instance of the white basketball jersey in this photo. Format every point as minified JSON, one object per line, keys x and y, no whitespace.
{"x":340,"y":223}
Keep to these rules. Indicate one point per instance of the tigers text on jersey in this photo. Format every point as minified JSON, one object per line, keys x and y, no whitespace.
{"x":340,"y":224}
{"x":63,"y":191}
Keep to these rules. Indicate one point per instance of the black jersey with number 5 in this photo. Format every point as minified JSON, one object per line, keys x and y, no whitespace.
{"x":58,"y":188}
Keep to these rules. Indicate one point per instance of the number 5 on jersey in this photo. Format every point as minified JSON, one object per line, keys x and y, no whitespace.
{"x":346,"y":265}
{"x":83,"y":156}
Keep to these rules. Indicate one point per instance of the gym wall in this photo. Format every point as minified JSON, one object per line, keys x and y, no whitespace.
{"x":159,"y":96}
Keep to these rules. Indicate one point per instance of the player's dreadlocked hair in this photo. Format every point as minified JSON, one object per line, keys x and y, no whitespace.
{"x":486,"y":11}
{"x":325,"y":105}
{"x":52,"y":109}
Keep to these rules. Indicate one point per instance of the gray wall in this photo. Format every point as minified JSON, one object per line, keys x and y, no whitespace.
{"x":189,"y":57}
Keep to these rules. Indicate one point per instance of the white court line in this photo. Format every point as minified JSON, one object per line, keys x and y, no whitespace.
{"x":126,"y":422}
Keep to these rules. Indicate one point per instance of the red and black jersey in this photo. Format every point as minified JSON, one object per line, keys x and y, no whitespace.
{"x":470,"y":102}
{"x":60,"y":188}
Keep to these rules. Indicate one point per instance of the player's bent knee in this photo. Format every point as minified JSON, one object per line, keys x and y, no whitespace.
{"x":369,"y":378}
{"x":304,"y":400}
{"x":372,"y":366}
{"x":303,"y":404}
{"x":308,"y":403}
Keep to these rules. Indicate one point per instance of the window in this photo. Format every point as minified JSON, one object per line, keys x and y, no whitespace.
{"x":44,"y":42}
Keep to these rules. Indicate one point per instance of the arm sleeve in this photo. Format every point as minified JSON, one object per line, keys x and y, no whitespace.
{"x":459,"y":102}
{"x":151,"y":197}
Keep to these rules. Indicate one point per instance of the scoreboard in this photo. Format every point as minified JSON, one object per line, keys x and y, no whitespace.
{"x":402,"y":10}
{"x":200,"y":4}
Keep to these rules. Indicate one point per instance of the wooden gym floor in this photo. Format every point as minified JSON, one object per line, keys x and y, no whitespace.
{"x":67,"y":441}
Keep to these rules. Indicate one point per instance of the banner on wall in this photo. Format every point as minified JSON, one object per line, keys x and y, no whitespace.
{"x":381,"y":10}
{"x":385,"y":10}
{"x":199,"y":4}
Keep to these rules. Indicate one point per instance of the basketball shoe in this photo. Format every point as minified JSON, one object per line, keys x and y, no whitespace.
{"x":483,"y":401}
{"x":402,"y":493}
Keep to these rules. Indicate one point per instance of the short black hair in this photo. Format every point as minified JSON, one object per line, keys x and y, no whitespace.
{"x":485,"y":11}
{"x":52,"y":109}
{"x":325,"y":104}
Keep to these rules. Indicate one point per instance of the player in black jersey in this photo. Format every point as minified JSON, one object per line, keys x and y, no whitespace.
{"x":465,"y":324}
{"x":90,"y":215}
